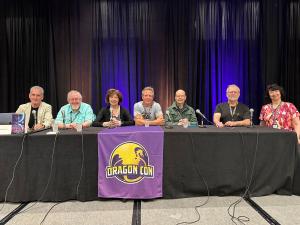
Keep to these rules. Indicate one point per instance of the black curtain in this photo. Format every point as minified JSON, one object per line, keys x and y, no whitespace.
{"x":200,"y":46}
{"x":24,"y":52}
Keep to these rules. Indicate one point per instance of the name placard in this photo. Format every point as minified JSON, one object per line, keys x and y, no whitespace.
{"x":5,"y":129}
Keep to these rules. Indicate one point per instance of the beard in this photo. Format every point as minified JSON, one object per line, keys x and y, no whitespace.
{"x":75,"y":107}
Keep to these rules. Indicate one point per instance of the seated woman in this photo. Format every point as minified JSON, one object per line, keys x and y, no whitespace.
{"x":277,"y":113}
{"x":113,"y":115}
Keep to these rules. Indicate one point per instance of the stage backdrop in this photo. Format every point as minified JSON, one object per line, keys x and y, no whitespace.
{"x":200,"y":46}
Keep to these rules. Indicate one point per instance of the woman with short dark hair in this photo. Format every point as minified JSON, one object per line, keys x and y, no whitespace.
{"x":277,"y":113}
{"x":113,"y":115}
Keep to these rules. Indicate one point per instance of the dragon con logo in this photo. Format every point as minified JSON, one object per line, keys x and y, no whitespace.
{"x":129,"y":163}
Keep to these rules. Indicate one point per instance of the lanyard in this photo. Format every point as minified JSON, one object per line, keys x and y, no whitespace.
{"x":73,"y":119}
{"x":232,"y":112}
{"x":275,"y":113}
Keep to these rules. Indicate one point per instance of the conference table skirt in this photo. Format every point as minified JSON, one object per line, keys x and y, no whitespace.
{"x":227,"y":161}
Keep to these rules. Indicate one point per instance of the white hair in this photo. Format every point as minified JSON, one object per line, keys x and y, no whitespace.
{"x":73,"y":92}
{"x":38,"y":88}
{"x":232,"y":85}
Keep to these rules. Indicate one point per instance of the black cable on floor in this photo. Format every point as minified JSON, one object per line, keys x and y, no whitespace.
{"x":136,"y":214}
{"x":43,"y":220}
{"x":262,"y":212}
{"x":13,"y":213}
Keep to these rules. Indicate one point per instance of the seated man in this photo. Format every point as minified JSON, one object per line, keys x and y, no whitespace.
{"x":232,"y":113}
{"x":38,"y":114}
{"x":180,"y":111}
{"x":76,"y":112}
{"x":148,"y":111}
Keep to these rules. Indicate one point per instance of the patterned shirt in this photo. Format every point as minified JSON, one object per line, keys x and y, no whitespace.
{"x":281,"y":117}
{"x":67,"y":116}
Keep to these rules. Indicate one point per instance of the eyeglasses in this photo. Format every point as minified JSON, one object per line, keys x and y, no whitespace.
{"x":74,"y":99}
{"x":232,"y":92}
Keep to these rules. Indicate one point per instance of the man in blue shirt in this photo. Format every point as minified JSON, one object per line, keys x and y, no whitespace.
{"x":76,"y":112}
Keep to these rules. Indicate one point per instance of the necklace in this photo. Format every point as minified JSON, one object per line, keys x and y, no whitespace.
{"x":114,"y":112}
{"x":147,"y":112}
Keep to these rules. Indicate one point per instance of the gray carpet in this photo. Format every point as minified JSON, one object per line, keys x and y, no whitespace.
{"x":6,"y":209}
{"x":285,"y":209}
{"x":78,"y":213}
{"x":167,"y":212}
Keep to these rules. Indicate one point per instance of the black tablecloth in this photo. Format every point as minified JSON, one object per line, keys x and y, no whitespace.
{"x":223,"y":158}
{"x":296,"y":185}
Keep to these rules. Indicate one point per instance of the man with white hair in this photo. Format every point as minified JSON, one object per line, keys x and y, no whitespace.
{"x":38,"y":114}
{"x":76,"y":112}
{"x":232,"y":113}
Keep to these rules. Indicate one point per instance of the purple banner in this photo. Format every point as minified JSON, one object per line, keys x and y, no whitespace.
{"x":130,"y":162}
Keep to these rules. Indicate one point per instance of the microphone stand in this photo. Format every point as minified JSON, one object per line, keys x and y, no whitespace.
{"x":251,"y":119}
{"x":168,"y":126}
{"x":251,"y":123}
{"x":202,"y":124}
{"x":203,"y":117}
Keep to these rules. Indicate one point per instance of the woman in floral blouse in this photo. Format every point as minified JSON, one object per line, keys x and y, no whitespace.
{"x":279,"y":114}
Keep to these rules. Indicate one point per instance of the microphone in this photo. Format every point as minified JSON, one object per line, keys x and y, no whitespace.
{"x":251,"y":117}
{"x":204,"y":117}
{"x":64,"y":118}
{"x":200,"y":113}
{"x":169,"y":126}
{"x":111,"y":114}
{"x":34,"y":116}
{"x":111,"y":119}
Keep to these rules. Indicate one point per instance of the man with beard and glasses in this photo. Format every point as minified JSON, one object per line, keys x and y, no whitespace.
{"x":232,"y":113}
{"x":76,"y":112}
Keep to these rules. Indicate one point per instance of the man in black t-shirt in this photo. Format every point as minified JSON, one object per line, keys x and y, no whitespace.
{"x":232,"y":113}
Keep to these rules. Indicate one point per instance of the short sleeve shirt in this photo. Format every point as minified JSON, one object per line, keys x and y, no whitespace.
{"x":150,"y":113}
{"x":67,"y":116}
{"x":238,"y":113}
{"x":282,"y":116}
